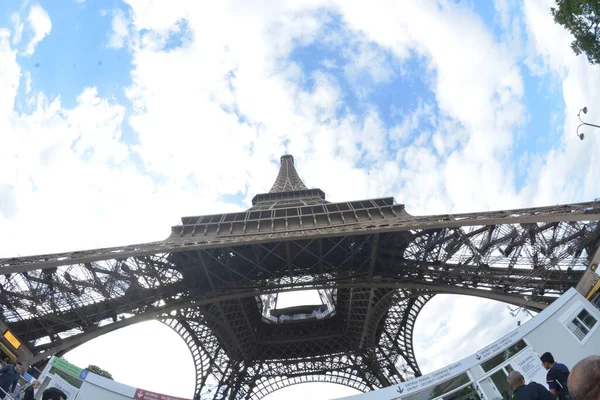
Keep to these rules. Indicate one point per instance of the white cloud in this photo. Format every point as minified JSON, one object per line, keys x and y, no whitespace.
{"x":18,"y":28}
{"x":503,"y":9}
{"x":77,"y":172}
{"x":212,"y":116}
{"x":39,"y":21}
{"x":27,"y":75}
{"x":313,"y":390}
{"x":568,"y":171}
{"x":141,"y":354}
{"x":9,"y":77}
{"x":411,"y":123}
{"x":367,"y":65}
{"x":451,"y":327}
{"x":120,"y":30}
{"x":9,"y":206}
{"x":483,"y":78}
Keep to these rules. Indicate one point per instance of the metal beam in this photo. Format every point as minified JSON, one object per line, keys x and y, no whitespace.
{"x":374,"y":252}
{"x":596,"y":257}
{"x":572,"y":212}
{"x":224,"y":321}
{"x":368,"y":316}
{"x":87,"y":336}
{"x":149,"y":315}
{"x":590,"y":277}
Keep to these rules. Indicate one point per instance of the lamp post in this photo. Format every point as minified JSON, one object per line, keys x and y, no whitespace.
{"x":581,"y":135}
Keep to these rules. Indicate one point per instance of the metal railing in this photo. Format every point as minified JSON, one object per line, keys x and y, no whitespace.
{"x":6,"y":394}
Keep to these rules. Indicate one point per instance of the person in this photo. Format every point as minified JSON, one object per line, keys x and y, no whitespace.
{"x":557,"y":376}
{"x":54,"y":394}
{"x":532,"y":391}
{"x":9,"y":375}
{"x":584,"y":380}
{"x":18,"y":393}
{"x":30,"y":391}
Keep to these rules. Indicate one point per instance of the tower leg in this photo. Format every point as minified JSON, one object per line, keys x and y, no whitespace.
{"x":391,"y":326}
{"x":214,"y":370}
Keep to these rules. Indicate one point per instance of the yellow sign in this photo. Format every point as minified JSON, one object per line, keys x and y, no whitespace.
{"x":10,"y":338}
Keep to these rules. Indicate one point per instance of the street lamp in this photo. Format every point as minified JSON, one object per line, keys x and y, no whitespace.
{"x":581,"y":135}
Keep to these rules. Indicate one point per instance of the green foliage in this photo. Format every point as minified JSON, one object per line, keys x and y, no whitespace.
{"x":581,"y":18}
{"x":97,"y":370}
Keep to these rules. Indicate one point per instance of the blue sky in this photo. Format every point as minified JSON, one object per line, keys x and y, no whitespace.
{"x":77,"y":55}
{"x":135,"y":113}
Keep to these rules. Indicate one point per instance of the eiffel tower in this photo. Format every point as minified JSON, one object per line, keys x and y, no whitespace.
{"x":216,"y":281}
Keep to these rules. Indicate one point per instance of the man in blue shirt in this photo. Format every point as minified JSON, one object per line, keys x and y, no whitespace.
{"x":9,"y":375}
{"x":532,"y":391}
{"x":557,"y":376}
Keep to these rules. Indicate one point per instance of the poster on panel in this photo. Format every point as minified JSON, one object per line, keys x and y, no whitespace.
{"x":63,"y":385}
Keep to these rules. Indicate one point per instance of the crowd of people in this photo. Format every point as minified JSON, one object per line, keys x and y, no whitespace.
{"x":582,"y":383}
{"x":9,"y":378}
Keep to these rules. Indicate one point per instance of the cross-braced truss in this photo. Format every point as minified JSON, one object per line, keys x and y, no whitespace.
{"x":208,"y":281}
{"x":354,"y":368}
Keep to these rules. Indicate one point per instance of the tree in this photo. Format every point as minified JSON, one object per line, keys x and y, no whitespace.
{"x":97,"y":370}
{"x":581,"y":18}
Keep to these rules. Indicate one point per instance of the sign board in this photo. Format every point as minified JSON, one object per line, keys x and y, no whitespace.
{"x":501,"y":344}
{"x":430,"y":380}
{"x":452,"y":370}
{"x":63,"y":385}
{"x":10,"y":338}
{"x":141,"y":394}
{"x":66,"y":366}
{"x":529,"y":365}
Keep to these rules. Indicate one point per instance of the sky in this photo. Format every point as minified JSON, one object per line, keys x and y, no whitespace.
{"x":119,"y":117}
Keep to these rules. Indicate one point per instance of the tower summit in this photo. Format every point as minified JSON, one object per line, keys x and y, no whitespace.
{"x":288,"y":190}
{"x":287,"y":179}
{"x":216,"y":280}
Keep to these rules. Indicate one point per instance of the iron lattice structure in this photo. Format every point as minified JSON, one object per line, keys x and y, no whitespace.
{"x":215,"y":282}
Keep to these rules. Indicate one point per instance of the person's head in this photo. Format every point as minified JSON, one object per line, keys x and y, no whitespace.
{"x":36,"y":384}
{"x":515,"y":380}
{"x":18,"y":366}
{"x":53,"y":394}
{"x":547,"y":360}
{"x":584,"y":380}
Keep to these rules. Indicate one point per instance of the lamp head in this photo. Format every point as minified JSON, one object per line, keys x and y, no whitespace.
{"x":581,"y":136}
{"x":584,"y":109}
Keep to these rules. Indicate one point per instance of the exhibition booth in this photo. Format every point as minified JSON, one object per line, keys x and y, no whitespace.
{"x":81,"y":384}
{"x":568,"y":328}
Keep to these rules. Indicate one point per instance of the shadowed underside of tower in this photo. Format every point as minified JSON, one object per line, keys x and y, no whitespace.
{"x":370,"y":266}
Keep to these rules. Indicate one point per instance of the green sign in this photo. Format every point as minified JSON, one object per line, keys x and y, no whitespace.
{"x":66,"y":366}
